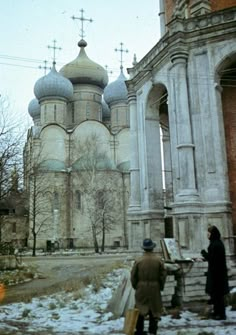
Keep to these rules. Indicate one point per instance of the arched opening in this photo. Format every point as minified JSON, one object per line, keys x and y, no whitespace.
{"x":157,"y":110}
{"x":228,"y":83}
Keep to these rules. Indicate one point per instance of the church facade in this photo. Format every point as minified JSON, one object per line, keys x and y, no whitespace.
{"x":77,"y":158}
{"x":182,"y":110}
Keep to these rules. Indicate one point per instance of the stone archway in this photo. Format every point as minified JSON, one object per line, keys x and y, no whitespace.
{"x":157,"y":114}
{"x":227,"y":75}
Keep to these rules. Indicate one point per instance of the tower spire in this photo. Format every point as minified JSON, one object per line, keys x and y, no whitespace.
{"x":121,"y":50}
{"x":82,"y":19}
{"x":54,"y":50}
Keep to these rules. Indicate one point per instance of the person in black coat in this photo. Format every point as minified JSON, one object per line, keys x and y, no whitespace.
{"x":217,"y":278}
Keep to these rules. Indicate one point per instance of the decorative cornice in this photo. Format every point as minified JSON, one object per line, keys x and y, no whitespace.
{"x":180,"y":29}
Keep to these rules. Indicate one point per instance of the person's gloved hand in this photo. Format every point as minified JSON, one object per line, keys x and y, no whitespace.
{"x":204,"y":253}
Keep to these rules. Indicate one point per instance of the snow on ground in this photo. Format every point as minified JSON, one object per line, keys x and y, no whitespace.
{"x":69,"y":313}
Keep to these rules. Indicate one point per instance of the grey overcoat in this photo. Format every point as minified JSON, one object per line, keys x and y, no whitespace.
{"x":148,"y":276}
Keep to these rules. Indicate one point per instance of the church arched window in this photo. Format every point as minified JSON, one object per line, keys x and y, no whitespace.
{"x":56,"y":200}
{"x":73,"y":113}
{"x":55,"y":112}
{"x":100,"y":199}
{"x":78,"y":199}
{"x":88,"y":110}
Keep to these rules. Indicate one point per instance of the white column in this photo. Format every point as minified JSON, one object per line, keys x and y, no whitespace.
{"x":185,"y":147}
{"x":162,"y":17}
{"x":167,"y":164}
{"x":134,"y":156}
{"x":154,"y":166}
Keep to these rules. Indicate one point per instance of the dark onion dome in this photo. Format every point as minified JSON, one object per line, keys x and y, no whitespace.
{"x":116,"y":91}
{"x":53,"y":85}
{"x":83,"y":70}
{"x":34,"y":109}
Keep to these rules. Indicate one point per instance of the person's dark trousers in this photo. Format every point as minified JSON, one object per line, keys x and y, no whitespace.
{"x":139,"y":325}
{"x":153,"y":324}
{"x":219,"y":307}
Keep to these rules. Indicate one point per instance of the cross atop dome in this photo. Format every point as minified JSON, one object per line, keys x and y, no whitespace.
{"x":121,"y":50}
{"x":44,"y":67}
{"x":82,"y":19}
{"x":54,"y":50}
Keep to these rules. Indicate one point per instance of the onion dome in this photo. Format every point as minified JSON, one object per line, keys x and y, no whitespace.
{"x":34,"y":109}
{"x":117,"y":90}
{"x":106,"y":112}
{"x":53,"y":85}
{"x":83,"y":70}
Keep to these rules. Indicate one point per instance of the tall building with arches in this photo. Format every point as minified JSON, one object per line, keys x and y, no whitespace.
{"x":182,"y":100}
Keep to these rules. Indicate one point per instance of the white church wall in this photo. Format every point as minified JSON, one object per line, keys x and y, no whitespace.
{"x":88,"y":128}
{"x":53,"y":143}
{"x":111,"y":183}
{"x":123,"y":146}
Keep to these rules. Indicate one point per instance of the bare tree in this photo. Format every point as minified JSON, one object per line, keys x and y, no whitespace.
{"x":107,"y":217}
{"x":97,"y":189}
{"x":39,"y":196}
{"x":12,"y":136}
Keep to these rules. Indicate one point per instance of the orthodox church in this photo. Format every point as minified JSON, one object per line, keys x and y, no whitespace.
{"x":152,"y":155}
{"x":77,"y":157}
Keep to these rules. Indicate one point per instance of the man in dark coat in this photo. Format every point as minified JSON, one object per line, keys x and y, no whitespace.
{"x":217,"y":279}
{"x":148,"y":276}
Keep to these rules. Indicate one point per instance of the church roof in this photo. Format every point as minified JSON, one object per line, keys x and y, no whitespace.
{"x":82,"y":70}
{"x":116,"y":91}
{"x":53,"y":85}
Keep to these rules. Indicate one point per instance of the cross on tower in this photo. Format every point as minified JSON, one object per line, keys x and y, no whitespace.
{"x":54,"y":50}
{"x":107,"y":69}
{"x":45,"y":67}
{"x":82,"y":19}
{"x":121,"y":50}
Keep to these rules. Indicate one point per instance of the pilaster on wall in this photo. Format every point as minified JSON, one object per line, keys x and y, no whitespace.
{"x":135,"y":201}
{"x":184,"y":167}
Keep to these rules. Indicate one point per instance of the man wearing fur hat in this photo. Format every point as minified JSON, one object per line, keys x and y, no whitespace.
{"x":148,"y":276}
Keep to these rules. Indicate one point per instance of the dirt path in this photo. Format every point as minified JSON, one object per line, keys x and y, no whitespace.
{"x":57,"y":273}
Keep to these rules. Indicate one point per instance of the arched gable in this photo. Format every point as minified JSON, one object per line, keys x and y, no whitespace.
{"x":92,"y":131}
{"x":53,"y":138}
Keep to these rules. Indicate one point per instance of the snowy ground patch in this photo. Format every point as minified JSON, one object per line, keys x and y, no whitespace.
{"x":66,"y":314}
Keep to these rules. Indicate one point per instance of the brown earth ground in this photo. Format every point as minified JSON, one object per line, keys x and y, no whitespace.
{"x":57,"y":273}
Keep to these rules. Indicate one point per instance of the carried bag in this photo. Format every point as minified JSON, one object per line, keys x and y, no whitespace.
{"x":131,"y":318}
